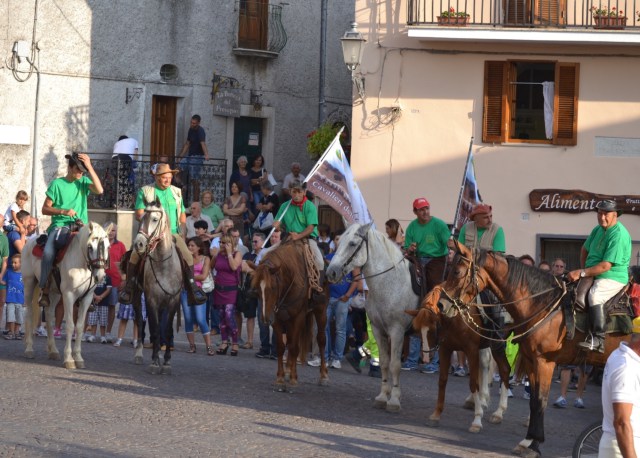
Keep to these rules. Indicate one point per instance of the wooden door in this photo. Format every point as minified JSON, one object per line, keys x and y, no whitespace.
{"x":252,"y":24}
{"x":163,"y":127}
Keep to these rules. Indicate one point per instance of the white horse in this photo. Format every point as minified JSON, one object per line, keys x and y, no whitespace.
{"x":81,"y":268}
{"x":390,"y":294}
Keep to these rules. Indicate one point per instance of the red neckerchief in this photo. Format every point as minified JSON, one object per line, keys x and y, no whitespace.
{"x":299,"y":205}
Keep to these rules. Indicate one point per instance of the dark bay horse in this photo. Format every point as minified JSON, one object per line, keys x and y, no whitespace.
{"x":160,"y":279}
{"x":282,"y":282}
{"x":462,"y":329}
{"x":533,"y":299}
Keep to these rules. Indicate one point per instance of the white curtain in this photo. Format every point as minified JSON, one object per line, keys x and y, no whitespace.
{"x":548,"y":93}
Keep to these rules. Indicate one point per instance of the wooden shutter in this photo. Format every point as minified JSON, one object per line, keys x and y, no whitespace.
{"x":517,"y":12}
{"x":565,"y":104}
{"x":493,"y":125}
{"x":549,"y":12}
{"x":252,"y":24}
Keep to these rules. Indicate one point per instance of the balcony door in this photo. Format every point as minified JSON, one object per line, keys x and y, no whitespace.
{"x":523,"y":13}
{"x":163,"y":127}
{"x":252,"y":24}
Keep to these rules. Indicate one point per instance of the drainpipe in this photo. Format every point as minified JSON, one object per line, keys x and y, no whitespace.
{"x":323,"y":60}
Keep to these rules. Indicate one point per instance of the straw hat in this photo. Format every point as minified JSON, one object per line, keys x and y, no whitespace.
{"x":162,"y":168}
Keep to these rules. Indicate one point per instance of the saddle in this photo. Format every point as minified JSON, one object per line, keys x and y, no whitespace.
{"x":418,"y":277}
{"x":618,"y":310}
{"x":61,"y":248}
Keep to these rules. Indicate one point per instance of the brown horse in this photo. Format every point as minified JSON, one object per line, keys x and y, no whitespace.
{"x":532,"y":298}
{"x":462,"y":329}
{"x":282,"y":281}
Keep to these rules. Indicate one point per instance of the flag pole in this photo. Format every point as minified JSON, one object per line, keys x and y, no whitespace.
{"x":309,"y":175}
{"x":464,"y":178}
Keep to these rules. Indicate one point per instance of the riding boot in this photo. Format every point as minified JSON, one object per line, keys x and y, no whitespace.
{"x":595,"y":342}
{"x":195,"y":295}
{"x":126,"y":295}
{"x":44,"y":295}
{"x":318,"y":295}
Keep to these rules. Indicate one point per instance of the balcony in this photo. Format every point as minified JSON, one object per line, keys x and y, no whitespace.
{"x":260,"y":32}
{"x":530,"y":21}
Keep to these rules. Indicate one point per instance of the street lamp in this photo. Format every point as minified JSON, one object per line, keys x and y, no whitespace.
{"x":352,"y":47}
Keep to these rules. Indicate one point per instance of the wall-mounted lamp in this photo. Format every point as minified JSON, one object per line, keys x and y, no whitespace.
{"x":352,"y":47}
{"x":256,"y":100}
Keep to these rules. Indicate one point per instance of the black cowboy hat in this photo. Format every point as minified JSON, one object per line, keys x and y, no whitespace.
{"x":607,"y":206}
{"x":74,"y":159}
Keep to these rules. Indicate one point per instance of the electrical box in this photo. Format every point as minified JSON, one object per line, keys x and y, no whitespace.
{"x":22,"y":49}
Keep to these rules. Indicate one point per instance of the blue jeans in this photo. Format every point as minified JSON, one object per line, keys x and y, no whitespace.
{"x":193,"y":314}
{"x":213,"y":314}
{"x":193,"y":164}
{"x":339,"y":310}
{"x":415,"y":342}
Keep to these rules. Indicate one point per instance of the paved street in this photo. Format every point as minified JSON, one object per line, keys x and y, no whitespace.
{"x":226,"y":406}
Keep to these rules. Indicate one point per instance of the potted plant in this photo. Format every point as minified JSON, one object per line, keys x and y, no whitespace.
{"x":319,"y":139}
{"x":453,"y":17}
{"x":608,"y":18}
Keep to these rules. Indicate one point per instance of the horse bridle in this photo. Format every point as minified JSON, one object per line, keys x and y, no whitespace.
{"x":279,"y":304}
{"x":361,"y":276}
{"x":158,"y":233}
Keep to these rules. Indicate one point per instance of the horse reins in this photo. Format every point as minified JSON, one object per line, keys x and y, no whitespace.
{"x":153,"y":240}
{"x":361,"y":276}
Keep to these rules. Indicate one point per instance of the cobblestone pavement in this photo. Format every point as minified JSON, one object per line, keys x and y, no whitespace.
{"x":226,"y":406}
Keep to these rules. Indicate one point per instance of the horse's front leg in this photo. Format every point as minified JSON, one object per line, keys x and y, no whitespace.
{"x":79,"y":329}
{"x":31,"y":317}
{"x":503,"y":369}
{"x":445,"y":361}
{"x":280,"y":385}
{"x":321,"y":324}
{"x":50,"y":319}
{"x":167,"y":331}
{"x":380,"y":401}
{"x":396,"y":340}
{"x":474,"y":358}
{"x":154,"y":325}
{"x":67,"y":302}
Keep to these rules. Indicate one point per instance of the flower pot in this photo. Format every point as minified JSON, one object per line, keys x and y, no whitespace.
{"x":609,"y":22}
{"x":457,"y":21}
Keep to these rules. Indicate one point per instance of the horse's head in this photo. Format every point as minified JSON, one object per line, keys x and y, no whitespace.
{"x":154,"y":227}
{"x":95,"y":243}
{"x":427,"y":316}
{"x":466,"y":277}
{"x":352,"y":251}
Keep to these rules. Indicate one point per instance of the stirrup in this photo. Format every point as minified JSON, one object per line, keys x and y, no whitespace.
{"x":593,"y":343}
{"x":43,"y":301}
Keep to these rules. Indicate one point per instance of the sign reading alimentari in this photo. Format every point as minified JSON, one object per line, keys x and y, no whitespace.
{"x":577,"y":201}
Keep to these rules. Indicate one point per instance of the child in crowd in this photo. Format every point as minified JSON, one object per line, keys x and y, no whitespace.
{"x":101,"y":296}
{"x":201,"y":228}
{"x":126,"y":313}
{"x":15,"y":298}
{"x":11,"y":221}
{"x":324,"y":236}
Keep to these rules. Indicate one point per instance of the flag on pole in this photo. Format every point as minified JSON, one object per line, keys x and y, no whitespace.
{"x":331,"y":180}
{"x":469,"y":196}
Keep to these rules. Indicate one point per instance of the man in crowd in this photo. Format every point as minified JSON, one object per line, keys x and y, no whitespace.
{"x":125,"y":151}
{"x":197,"y":215}
{"x":604,"y":258}
{"x":295,"y":175}
{"x":558,"y":267}
{"x":223,"y":229}
{"x":196,"y":147}
{"x":170,"y":198}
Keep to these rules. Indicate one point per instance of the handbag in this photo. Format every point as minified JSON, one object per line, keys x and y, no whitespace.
{"x":263,"y":221}
{"x":207,"y":284}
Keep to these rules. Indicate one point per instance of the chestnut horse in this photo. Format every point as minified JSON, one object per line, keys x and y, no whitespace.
{"x":533,"y":299}
{"x":282,"y":281}
{"x":462,"y":329}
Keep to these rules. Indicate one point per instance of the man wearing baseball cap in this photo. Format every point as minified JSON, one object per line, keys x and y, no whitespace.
{"x":620,"y":400}
{"x":66,"y":202}
{"x":170,"y":198}
{"x":604,"y":258}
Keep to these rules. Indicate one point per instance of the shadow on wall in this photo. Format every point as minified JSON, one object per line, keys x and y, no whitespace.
{"x":77,"y":124}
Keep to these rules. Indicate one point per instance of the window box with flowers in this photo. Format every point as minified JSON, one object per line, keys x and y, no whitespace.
{"x":319,"y":140}
{"x":451,"y":17}
{"x":608,"y":18}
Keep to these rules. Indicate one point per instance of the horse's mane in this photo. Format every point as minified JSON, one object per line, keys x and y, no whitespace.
{"x":288,"y":256}
{"x":519,"y":274}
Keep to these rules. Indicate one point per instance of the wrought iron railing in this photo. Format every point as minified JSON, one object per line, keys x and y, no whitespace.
{"x":121,"y":181}
{"x":527,"y":13}
{"x":259,"y":26}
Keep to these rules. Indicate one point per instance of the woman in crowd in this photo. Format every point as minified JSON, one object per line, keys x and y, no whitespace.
{"x":258,"y":175}
{"x":234,"y":207}
{"x":197,"y":313}
{"x":394,"y":231}
{"x":116,"y":252}
{"x":241,"y":175}
{"x":227,"y":266}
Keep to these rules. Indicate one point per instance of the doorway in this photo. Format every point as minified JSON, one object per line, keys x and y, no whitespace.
{"x":247,"y":139}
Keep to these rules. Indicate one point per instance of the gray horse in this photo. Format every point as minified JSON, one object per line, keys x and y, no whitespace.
{"x":390,"y":294}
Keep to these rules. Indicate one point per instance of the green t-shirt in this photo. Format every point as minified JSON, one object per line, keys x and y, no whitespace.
{"x":214,"y":212}
{"x":431,"y":238}
{"x":168,"y":202}
{"x":499,"y":243}
{"x":4,"y":247}
{"x":296,"y":220}
{"x":612,"y":245}
{"x":67,"y":195}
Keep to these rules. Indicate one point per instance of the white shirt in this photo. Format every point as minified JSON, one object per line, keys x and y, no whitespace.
{"x":215,"y":243}
{"x":289,"y":178}
{"x":126,"y":146}
{"x":621,"y":383}
{"x":191,"y":231}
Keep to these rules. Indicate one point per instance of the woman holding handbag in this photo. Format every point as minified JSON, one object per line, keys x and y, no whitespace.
{"x":197,"y":313}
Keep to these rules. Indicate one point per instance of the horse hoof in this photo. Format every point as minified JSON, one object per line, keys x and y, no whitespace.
{"x":30,"y":354}
{"x":433,"y":422}
{"x":518,"y":449}
{"x":137,"y":360}
{"x":469,"y":405}
{"x":528,"y":453}
{"x":495,"y":419}
{"x":155,"y":370}
{"x":475,"y":429}
{"x":281,"y":388}
{"x":70,"y":365}
{"x":79,"y":364}
{"x":392,"y":408}
{"x":323,"y":382}
{"x":293,"y":383}
{"x":166,"y":370}
{"x":380,"y":404}
{"x":54,"y":356}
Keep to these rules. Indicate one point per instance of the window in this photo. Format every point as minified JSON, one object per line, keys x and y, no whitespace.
{"x":530,"y":102}
{"x":253,"y":24}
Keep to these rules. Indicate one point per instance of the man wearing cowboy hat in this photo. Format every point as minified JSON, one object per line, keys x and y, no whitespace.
{"x":481,"y":232}
{"x":66,"y":202}
{"x":170,"y":198}
{"x":620,"y":401}
{"x":604,"y":258}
